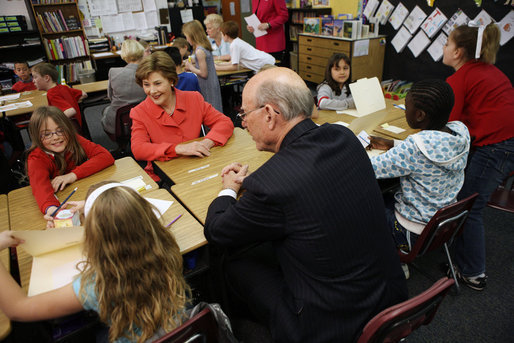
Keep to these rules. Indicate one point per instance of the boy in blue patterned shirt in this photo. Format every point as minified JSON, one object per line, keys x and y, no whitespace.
{"x":430,"y":163}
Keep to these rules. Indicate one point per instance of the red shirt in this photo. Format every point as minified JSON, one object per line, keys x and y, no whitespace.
{"x":21,"y":86}
{"x":155,"y":133}
{"x":65,"y":97}
{"x":275,"y":13}
{"x":484,"y":101}
{"x":42,"y":169}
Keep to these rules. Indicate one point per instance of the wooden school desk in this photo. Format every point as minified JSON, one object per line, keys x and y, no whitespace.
{"x":24,"y":212}
{"x":37,"y":98}
{"x":93,"y":87}
{"x":5,"y":323}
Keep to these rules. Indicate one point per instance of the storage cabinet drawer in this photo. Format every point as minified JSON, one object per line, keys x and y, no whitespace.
{"x":326,"y":43}
{"x":309,"y":50}
{"x":311,"y":77}
{"x":309,"y":68}
{"x":313,"y":60}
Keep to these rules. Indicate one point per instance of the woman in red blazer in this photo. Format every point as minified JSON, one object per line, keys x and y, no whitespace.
{"x":273,"y":15}
{"x":169,"y":117}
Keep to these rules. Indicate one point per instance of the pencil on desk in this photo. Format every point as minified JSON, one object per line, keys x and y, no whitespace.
{"x":62,"y":203}
{"x":174,"y":220}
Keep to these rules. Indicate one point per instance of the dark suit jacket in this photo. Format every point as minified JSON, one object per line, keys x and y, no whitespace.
{"x":318,"y":201}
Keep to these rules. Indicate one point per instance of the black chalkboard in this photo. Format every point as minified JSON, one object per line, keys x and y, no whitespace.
{"x":405,"y":66}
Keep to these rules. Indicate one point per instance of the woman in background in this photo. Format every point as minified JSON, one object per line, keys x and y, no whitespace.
{"x":220,"y":48}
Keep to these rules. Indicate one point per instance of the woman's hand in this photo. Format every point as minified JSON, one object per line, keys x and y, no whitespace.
{"x":250,"y":28}
{"x":8,"y":240}
{"x":199,"y":149}
{"x":263,"y":26}
{"x":380,"y":143}
{"x":61,"y":181}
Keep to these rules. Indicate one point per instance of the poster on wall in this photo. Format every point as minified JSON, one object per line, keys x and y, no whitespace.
{"x":506,"y":26}
{"x":384,"y":11}
{"x":370,"y":9}
{"x":418,"y":43}
{"x":458,"y":18}
{"x":401,"y":39}
{"x":102,"y":7}
{"x":400,"y":13}
{"x":434,"y":23}
{"x":414,"y":19}
{"x":436,"y":48}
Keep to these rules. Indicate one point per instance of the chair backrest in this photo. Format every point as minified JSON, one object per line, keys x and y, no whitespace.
{"x":123,"y":121}
{"x":398,"y":321}
{"x":201,"y":328}
{"x":444,"y":225}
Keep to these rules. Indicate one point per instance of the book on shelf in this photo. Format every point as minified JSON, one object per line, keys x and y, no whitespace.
{"x":338,"y":27}
{"x":327,"y":25}
{"x":51,"y":2}
{"x":351,"y":29}
{"x":54,"y":21}
{"x":312,"y":25}
{"x":66,"y":47}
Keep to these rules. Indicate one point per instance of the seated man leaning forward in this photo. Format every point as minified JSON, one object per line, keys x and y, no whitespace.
{"x":326,"y":263}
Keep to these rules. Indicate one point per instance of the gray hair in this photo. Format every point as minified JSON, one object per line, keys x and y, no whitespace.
{"x":292,"y":101}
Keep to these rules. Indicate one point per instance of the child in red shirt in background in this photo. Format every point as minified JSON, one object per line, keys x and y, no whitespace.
{"x":45,"y":77}
{"x":58,"y":157}
{"x":22,"y":70}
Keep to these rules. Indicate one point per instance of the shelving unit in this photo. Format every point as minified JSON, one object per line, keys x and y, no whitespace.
{"x":25,"y":45}
{"x":295,"y":26}
{"x":63,"y":37}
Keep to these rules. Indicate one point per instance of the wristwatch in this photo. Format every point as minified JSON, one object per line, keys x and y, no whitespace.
{"x":269,"y":26}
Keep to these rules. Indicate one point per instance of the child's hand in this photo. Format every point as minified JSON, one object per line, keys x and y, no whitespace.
{"x":188,"y":65}
{"x":380,"y":143}
{"x":61,"y":181}
{"x":8,"y":240}
{"x":75,"y":206}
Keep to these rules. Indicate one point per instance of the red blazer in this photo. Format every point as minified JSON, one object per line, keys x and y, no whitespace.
{"x":155,"y":133}
{"x":42,"y":169}
{"x":484,"y":101}
{"x":21,"y":86}
{"x":275,"y":13}
{"x":65,"y":97}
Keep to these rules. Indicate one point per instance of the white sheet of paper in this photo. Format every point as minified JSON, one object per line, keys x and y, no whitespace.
{"x":414,"y":19}
{"x":152,"y":19}
{"x":367,"y":95}
{"x":9,"y":107}
{"x":483,"y":18}
{"x":434,"y":23}
{"x":112,"y":23}
{"x":506,"y":26}
{"x":401,"y":39}
{"x":137,"y":183}
{"x":162,"y":206}
{"x":394,"y":129}
{"x":341,"y":123}
{"x":371,"y":6}
{"x":419,"y":43}
{"x":384,"y":11}
{"x":149,"y":5}
{"x":139,"y":20}
{"x":254,"y":22}
{"x":400,"y":13}
{"x":186,"y":15}
{"x":361,"y":48}
{"x":363,"y":138}
{"x":23,"y":104}
{"x":436,"y":48}
{"x":350,"y":111}
{"x":10,"y":97}
{"x":128,"y":20}
{"x":129,"y":5}
{"x":101,"y":54}
{"x":458,"y":18}
{"x":102,"y":7}
{"x":39,"y":242}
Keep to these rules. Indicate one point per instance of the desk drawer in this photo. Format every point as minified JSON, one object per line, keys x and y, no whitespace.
{"x":311,"y":77}
{"x":312,"y":60}
{"x":314,"y":51}
{"x":327,"y":43}
{"x":309,"y":68}
{"x":339,"y":46}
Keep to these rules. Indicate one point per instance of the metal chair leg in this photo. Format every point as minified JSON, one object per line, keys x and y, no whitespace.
{"x":450,"y":263}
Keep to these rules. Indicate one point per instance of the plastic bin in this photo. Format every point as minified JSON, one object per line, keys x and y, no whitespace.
{"x":87,"y":75}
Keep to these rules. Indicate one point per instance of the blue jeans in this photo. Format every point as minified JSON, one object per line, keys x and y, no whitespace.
{"x":403,"y":238}
{"x":487,"y":167}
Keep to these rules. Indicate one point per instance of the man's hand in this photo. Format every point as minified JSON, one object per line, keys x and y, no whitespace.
{"x":61,"y":181}
{"x":380,"y":143}
{"x":233,"y":176}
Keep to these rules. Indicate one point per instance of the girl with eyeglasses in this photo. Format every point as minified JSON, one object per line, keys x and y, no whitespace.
{"x":58,"y":157}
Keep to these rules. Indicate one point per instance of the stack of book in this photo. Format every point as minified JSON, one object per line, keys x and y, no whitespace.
{"x":54,"y":21}
{"x":70,"y":71}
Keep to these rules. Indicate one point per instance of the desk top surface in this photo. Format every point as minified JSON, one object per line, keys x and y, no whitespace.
{"x":91,"y":87}
{"x":37,"y":98}
{"x":233,"y":72}
{"x":5,"y":323}
{"x":24,"y":212}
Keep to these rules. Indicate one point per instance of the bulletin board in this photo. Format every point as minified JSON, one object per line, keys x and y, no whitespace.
{"x":422,"y":44}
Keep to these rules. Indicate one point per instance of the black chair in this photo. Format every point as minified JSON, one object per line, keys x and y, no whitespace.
{"x":123,"y":127}
{"x":201,"y":328}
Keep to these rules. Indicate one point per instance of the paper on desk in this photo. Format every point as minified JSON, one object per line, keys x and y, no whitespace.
{"x":23,"y":104}
{"x":39,"y":242}
{"x":63,"y":274}
{"x":254,"y":22}
{"x":342,"y":123}
{"x":367,"y":95}
{"x":137,"y":183}
{"x":162,"y":206}
{"x":363,"y":138}
{"x":350,"y":111}
{"x":394,"y":129}
{"x":10,"y":97}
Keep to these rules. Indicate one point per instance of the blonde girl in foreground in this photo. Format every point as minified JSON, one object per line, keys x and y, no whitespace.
{"x":132,"y":275}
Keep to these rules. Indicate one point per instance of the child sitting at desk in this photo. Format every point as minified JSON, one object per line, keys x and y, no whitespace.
{"x":65,"y":98}
{"x":242,"y":54}
{"x":59,"y":156}
{"x":334,"y":91}
{"x":430,"y":163}
{"x":140,"y":294}
{"x":187,"y":81}
{"x":22,"y":70}
{"x":183,"y":46}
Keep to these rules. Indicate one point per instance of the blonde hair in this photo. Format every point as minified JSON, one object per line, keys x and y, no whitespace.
{"x":135,"y":266}
{"x":214,"y":19}
{"x":465,"y":37}
{"x":197,"y":35}
{"x":131,"y":50}
{"x":160,"y":62}
{"x":180,"y":42}
{"x":37,"y":124}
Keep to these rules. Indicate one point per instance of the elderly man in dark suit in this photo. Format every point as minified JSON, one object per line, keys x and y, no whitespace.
{"x":331,"y":263}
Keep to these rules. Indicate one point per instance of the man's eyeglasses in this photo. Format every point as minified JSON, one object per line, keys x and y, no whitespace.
{"x":242,"y":114}
{"x":49,"y":134}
